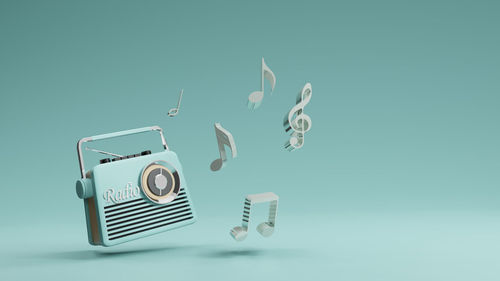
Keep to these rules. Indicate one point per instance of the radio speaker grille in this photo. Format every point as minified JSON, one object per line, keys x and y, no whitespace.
{"x":139,"y":215}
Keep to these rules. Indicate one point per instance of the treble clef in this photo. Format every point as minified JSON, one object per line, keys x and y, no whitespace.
{"x":297,"y":121}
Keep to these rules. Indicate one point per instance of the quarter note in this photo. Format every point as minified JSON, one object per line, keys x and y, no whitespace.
{"x":255,"y":98}
{"x":224,"y":137}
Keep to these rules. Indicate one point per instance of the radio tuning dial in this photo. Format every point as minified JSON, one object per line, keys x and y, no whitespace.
{"x":160,"y":182}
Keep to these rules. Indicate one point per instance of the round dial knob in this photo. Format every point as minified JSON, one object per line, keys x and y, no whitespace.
{"x":160,"y":182}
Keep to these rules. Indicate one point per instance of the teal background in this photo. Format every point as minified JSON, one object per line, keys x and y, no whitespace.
{"x":398,"y":178}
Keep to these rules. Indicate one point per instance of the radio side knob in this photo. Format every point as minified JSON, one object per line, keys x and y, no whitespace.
{"x":84,"y":188}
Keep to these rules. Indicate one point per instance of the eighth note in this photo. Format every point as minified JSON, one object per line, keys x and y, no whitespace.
{"x":255,"y":98}
{"x":224,"y":137}
{"x":266,"y":229}
{"x":173,"y":111}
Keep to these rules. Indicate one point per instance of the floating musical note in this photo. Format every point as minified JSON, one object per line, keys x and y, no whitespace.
{"x":255,"y":98}
{"x":173,"y":111}
{"x":297,"y":120}
{"x":266,"y":229}
{"x":224,"y":137}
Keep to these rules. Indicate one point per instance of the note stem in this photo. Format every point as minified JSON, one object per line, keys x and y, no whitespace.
{"x":180,"y":99}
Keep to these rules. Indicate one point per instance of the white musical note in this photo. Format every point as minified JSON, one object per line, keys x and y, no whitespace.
{"x":297,"y":120}
{"x":255,"y":98}
{"x":224,"y":137}
{"x":173,"y":111}
{"x":266,"y":229}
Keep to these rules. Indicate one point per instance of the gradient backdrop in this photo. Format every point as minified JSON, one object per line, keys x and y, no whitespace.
{"x":398,"y":178}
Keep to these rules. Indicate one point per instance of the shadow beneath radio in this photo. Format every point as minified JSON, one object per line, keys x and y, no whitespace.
{"x":103,"y":253}
{"x":201,"y":251}
{"x":115,"y":253}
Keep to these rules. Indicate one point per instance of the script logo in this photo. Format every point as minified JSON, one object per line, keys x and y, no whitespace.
{"x":120,"y":195}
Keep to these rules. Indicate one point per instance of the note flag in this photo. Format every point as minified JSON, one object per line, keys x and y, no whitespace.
{"x":255,"y":98}
{"x":266,"y":229}
{"x":224,"y":137}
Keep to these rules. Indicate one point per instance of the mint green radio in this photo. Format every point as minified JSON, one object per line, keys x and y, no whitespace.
{"x":134,"y":196}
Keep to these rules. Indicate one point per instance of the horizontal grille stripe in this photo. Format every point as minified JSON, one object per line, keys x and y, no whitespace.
{"x":117,"y":225}
{"x":151,"y":222}
{"x":142,"y":230}
{"x":146,"y":206}
{"x":146,"y":210}
{"x":153,"y":225}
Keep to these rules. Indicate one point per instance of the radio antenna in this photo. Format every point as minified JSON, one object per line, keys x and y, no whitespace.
{"x":103,"y":152}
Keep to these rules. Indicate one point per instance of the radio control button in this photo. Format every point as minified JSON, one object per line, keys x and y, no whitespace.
{"x":84,"y":189}
{"x":160,"y":181}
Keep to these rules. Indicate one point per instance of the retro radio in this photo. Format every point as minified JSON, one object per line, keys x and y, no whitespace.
{"x":130,"y":197}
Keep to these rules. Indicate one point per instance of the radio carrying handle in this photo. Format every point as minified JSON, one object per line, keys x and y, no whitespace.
{"x":114,"y":135}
